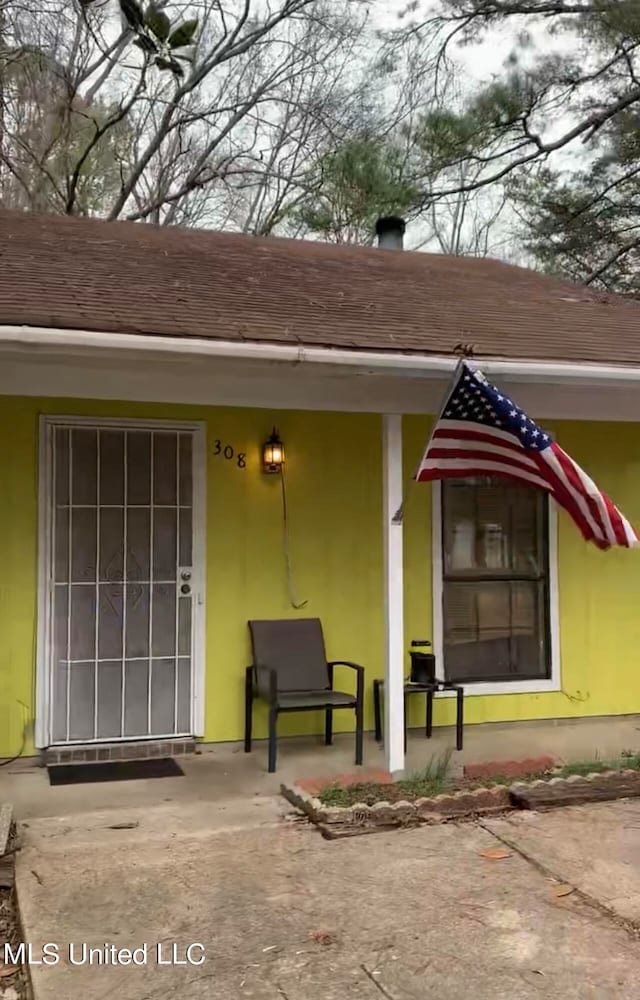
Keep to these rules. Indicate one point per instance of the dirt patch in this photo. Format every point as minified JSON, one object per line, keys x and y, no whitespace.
{"x":409,"y":790}
{"x":13,"y":979}
{"x":368,"y":792}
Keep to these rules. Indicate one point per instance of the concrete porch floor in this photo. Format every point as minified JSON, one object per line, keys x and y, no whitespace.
{"x":223,"y":772}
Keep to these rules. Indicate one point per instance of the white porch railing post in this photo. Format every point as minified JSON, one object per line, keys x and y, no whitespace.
{"x":392,"y":476}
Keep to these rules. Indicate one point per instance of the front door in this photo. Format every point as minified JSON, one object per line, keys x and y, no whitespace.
{"x":121,"y":581}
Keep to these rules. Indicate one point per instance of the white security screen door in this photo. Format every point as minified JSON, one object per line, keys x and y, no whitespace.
{"x":121,"y":582}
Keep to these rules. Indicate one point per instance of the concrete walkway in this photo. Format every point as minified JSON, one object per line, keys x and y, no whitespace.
{"x":595,"y":848}
{"x":215,"y":858}
{"x":282,"y":913}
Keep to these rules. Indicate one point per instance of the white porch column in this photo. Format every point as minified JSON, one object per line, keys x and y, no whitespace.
{"x":392,"y":475}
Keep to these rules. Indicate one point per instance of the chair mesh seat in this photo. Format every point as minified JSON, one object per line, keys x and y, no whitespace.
{"x":306,"y":699}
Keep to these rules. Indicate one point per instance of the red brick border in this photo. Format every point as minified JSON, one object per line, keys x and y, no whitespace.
{"x":509,"y":768}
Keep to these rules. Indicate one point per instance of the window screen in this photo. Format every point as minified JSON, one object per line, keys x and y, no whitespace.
{"x":496,"y":581}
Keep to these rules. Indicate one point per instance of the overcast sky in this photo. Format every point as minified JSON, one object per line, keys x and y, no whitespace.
{"x":479,"y":60}
{"x":486,"y":58}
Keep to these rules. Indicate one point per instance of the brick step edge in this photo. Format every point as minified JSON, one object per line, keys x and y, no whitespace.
{"x":481,"y":801}
{"x":100,"y":753}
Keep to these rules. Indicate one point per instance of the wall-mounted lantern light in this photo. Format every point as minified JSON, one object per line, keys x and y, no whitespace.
{"x":273,"y":453}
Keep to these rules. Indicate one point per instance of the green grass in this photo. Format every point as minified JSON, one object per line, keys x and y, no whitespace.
{"x":628,"y":759}
{"x":433,"y":776}
{"x":368,"y":792}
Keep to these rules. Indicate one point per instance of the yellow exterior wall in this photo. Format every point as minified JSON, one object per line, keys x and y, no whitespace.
{"x":334,"y":470}
{"x":334,"y":473}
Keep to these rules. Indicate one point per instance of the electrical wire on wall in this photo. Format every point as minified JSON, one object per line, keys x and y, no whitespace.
{"x":10,"y":760}
{"x":298,"y":605}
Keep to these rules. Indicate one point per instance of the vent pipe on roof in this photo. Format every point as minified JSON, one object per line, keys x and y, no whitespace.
{"x":390,"y":231}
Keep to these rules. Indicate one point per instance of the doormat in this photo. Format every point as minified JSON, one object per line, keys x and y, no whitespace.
{"x":117,"y":770}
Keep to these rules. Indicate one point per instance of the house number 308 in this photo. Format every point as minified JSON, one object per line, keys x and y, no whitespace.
{"x":229,"y":453}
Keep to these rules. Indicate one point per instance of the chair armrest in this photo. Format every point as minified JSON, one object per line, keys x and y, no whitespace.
{"x":354,"y":666}
{"x":267,"y":679}
{"x":345,"y":663}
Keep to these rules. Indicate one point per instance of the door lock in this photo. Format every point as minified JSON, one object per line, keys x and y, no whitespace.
{"x":185,"y":573}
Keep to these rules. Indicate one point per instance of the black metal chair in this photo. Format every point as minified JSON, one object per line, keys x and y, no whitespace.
{"x":291,"y":673}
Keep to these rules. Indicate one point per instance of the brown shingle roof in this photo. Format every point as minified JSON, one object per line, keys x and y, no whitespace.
{"x":132,"y":278}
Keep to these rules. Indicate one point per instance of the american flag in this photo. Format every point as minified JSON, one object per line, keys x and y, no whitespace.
{"x":482,"y":432}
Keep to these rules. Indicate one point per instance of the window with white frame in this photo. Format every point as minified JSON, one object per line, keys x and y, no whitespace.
{"x":495,"y":545}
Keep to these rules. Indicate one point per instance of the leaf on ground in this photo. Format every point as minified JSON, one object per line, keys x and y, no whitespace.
{"x":321,"y":937}
{"x":495,"y":854}
{"x":563,"y":890}
{"x":8,"y":970}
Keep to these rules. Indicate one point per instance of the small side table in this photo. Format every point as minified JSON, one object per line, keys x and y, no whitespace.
{"x":430,"y":690}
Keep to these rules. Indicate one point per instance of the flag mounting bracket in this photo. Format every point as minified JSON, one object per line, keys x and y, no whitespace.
{"x":462,"y":351}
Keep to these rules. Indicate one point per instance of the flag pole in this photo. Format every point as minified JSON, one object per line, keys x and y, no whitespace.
{"x":399,"y":514}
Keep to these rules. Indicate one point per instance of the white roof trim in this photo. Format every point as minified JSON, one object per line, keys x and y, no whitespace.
{"x":28,"y":339}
